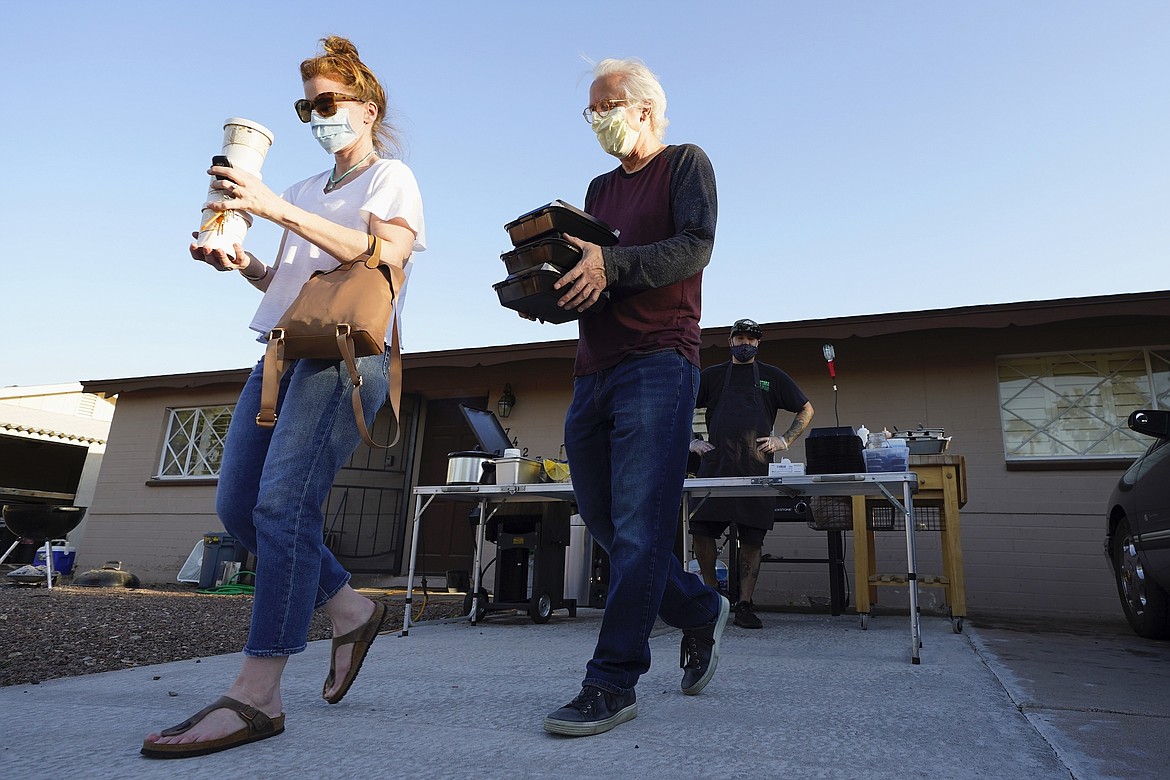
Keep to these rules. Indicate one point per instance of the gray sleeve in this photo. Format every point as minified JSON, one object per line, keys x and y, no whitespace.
{"x":694,"y":206}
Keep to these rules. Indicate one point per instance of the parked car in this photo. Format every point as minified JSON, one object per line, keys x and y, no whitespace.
{"x":1137,"y":530}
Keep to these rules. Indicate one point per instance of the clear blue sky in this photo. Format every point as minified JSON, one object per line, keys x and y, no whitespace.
{"x":871,"y":156}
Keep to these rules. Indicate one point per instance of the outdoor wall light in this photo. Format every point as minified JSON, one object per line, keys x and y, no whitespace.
{"x":507,"y":401}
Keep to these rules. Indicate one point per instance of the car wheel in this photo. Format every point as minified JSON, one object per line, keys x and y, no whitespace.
{"x":1146,"y":604}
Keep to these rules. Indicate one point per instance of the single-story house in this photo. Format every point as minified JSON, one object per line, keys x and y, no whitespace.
{"x":1034,"y":395}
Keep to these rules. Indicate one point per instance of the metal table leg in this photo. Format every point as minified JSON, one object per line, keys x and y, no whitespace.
{"x":912,"y":575}
{"x":480,"y":531}
{"x":733,"y":573}
{"x":906,"y":507}
{"x":419,"y":508}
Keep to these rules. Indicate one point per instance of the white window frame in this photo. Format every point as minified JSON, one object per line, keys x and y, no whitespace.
{"x":193,"y":446}
{"x":1083,"y":416}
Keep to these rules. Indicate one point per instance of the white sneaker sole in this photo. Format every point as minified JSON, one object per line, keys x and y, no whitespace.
{"x":570,"y":728}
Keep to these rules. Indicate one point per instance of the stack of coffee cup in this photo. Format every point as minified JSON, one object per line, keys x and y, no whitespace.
{"x":245,"y":144}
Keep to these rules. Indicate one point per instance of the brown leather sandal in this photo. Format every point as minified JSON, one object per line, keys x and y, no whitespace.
{"x":361,"y":638}
{"x":257,"y":726}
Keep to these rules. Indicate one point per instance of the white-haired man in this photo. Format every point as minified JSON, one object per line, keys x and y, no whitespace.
{"x":636,"y":375}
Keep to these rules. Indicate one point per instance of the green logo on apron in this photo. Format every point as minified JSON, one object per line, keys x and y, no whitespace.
{"x":765,"y":385}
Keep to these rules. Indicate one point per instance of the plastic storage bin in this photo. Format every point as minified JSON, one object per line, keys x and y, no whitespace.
{"x":559,"y":217}
{"x":556,"y":252}
{"x":218,"y":549}
{"x":63,"y":556}
{"x":532,"y":293}
{"x":884,"y":459}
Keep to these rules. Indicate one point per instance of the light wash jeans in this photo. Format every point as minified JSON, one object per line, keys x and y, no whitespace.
{"x":626,"y":435}
{"x":273,"y":483}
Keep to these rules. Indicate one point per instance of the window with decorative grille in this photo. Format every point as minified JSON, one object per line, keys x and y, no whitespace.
{"x":194,"y":442}
{"x":1074,"y":405}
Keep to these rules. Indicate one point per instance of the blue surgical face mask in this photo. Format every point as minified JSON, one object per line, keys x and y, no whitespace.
{"x":334,"y":133}
{"x":744,"y":353}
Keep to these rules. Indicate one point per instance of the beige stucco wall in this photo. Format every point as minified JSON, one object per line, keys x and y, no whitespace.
{"x":1032,"y":540}
{"x":542,"y":389}
{"x":149,"y":527}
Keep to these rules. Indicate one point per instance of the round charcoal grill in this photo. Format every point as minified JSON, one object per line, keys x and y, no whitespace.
{"x":41,"y":524}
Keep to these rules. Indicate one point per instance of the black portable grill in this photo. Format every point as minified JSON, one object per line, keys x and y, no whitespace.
{"x":41,"y":524}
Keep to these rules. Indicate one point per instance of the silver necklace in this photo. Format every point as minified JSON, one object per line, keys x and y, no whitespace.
{"x":333,"y":182}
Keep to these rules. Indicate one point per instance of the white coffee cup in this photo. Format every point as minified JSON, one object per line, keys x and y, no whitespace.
{"x":245,"y":143}
{"x":224,"y":229}
{"x":511,"y":453}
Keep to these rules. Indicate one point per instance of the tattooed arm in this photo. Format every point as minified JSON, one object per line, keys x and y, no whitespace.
{"x":799,"y":423}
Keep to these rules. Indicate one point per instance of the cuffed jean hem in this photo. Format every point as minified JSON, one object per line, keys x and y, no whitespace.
{"x":324,"y":598}
{"x":273,"y":653}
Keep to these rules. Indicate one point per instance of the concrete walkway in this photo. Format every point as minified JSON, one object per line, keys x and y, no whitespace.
{"x":809,"y":696}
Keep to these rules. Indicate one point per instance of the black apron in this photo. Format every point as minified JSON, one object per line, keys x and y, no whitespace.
{"x":733,"y":427}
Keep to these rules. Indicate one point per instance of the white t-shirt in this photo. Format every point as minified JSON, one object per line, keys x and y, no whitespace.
{"x":386,"y":190}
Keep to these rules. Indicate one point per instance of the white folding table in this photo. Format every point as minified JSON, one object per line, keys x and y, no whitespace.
{"x":897,"y":487}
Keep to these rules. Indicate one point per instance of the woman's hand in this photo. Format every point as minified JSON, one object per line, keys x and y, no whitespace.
{"x":243,"y":192}
{"x":219,"y":259}
{"x":587,"y":277}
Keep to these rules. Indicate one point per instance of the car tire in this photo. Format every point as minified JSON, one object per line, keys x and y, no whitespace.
{"x":1146,"y":604}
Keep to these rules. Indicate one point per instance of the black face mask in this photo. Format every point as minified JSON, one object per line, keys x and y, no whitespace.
{"x":744,"y":353}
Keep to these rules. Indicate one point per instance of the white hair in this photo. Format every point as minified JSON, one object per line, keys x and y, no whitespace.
{"x":641,"y":86}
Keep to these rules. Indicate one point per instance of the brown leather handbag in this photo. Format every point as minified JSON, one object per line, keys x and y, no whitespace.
{"x":341,"y":314}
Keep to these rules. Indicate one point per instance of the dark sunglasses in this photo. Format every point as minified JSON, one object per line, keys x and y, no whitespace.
{"x":324,"y":104}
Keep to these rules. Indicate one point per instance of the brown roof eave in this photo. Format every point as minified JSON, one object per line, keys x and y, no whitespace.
{"x":204,"y":379}
{"x":492,"y":356}
{"x":1028,"y":313}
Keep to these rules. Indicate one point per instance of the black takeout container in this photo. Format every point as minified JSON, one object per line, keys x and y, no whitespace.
{"x":532,"y":293}
{"x":559,"y":217}
{"x":553,"y":251}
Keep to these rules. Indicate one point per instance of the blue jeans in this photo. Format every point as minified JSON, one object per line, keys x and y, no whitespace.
{"x":626,"y":435}
{"x":274,"y":481}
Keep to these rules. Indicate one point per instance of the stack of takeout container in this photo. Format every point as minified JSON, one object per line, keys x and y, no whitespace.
{"x":541,"y":256}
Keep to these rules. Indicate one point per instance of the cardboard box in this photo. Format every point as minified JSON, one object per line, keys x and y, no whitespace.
{"x":785,"y":468}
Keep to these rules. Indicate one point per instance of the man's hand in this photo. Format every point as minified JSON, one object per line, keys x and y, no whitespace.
{"x":700,"y":447}
{"x":770,"y":444}
{"x":584,"y":281}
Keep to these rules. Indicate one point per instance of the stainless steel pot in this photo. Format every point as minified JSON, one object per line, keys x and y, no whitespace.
{"x":466,"y":468}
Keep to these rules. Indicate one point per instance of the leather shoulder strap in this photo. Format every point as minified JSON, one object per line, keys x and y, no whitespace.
{"x":397,"y":279}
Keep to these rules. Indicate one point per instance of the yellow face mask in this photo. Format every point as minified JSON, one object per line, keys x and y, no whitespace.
{"x":615,"y":134}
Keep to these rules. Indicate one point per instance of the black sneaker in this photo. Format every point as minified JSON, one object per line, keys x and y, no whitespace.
{"x":745,"y":615}
{"x":699,"y":654}
{"x":594,"y":711}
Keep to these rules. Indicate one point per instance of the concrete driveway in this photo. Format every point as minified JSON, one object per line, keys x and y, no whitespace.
{"x":809,"y":696}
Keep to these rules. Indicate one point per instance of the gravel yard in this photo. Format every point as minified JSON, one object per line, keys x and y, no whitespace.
{"x":70,"y":631}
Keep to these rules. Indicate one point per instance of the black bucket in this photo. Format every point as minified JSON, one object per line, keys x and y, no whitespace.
{"x":458,"y":581}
